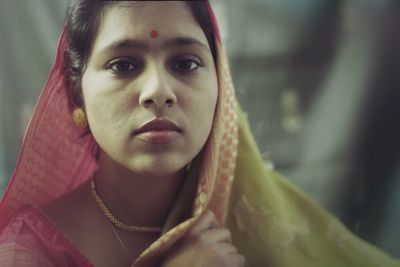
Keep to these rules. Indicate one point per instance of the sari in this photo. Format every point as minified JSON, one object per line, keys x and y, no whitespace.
{"x":273,"y":223}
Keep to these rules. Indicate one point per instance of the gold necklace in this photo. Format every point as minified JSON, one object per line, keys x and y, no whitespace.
{"x":115,"y":221}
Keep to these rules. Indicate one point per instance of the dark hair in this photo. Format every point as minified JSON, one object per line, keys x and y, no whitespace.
{"x":82,"y":23}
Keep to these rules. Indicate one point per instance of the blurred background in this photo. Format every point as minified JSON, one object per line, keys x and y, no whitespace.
{"x":319,"y":80}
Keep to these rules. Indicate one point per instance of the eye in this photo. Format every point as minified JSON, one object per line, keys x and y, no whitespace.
{"x":187,"y":64}
{"x":122,"y":66}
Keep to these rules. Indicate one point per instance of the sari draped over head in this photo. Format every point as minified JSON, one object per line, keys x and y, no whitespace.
{"x":272,"y":222}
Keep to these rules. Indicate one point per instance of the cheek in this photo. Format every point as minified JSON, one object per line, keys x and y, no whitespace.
{"x":105,"y":109}
{"x":210,"y":103}
{"x":206,"y":94}
{"x":203,"y":113}
{"x":201,"y":105}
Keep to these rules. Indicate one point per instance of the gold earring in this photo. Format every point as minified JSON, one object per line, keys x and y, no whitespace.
{"x":79,"y":117}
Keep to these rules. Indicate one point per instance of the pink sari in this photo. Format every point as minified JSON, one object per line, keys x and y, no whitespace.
{"x":32,"y":239}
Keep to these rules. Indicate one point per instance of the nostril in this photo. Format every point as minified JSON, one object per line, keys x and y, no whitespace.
{"x":169,"y":102}
{"x":148,"y":102}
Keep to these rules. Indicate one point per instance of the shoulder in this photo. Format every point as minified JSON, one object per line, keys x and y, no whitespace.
{"x":29,"y":221}
{"x":21,"y":241}
{"x":69,"y":212}
{"x":13,"y":253}
{"x":32,"y":239}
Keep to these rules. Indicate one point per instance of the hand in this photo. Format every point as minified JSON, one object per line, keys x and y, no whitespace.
{"x":206,"y":244}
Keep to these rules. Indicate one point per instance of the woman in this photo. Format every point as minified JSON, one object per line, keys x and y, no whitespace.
{"x":156,"y":168}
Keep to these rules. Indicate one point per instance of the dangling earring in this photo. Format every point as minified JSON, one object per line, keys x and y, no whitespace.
{"x":79,"y":117}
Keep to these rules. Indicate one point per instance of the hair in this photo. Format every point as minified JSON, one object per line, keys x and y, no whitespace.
{"x":82,"y":23}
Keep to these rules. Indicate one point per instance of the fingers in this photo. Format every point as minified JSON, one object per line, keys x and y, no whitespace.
{"x":208,"y":230}
{"x":218,"y":235}
{"x":205,"y":222}
{"x":207,"y":237}
{"x":227,"y":249}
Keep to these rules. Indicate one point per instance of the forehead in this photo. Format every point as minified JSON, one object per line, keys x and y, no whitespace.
{"x":137,"y":19}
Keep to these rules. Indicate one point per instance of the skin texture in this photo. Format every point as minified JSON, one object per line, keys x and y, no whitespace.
{"x":123,"y":87}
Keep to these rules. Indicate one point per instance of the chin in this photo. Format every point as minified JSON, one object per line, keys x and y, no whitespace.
{"x":157,"y":168}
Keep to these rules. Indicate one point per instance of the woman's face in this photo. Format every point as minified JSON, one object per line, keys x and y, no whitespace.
{"x":150,"y":62}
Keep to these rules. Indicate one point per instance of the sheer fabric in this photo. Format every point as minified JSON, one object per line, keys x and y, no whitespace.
{"x":31,"y":239}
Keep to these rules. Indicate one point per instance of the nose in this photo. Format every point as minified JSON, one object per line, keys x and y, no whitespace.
{"x":157,"y":89}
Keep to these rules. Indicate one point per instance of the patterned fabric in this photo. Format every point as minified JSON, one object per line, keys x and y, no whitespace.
{"x":31,"y":239}
{"x":54,"y":158}
{"x":272,"y":222}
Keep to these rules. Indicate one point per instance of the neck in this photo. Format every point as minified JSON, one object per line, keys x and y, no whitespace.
{"x":133,"y":198}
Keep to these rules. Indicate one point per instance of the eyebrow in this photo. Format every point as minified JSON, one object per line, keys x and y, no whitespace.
{"x":138,"y":44}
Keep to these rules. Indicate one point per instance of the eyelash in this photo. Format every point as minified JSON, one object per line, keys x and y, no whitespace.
{"x":190,"y":59}
{"x":118,"y":62}
{"x":175,"y":65}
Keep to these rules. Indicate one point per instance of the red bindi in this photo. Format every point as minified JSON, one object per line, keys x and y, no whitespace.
{"x":154,"y":34}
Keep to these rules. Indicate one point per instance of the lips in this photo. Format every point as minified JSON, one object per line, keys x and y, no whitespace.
{"x":158,"y":131}
{"x":158,"y":125}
